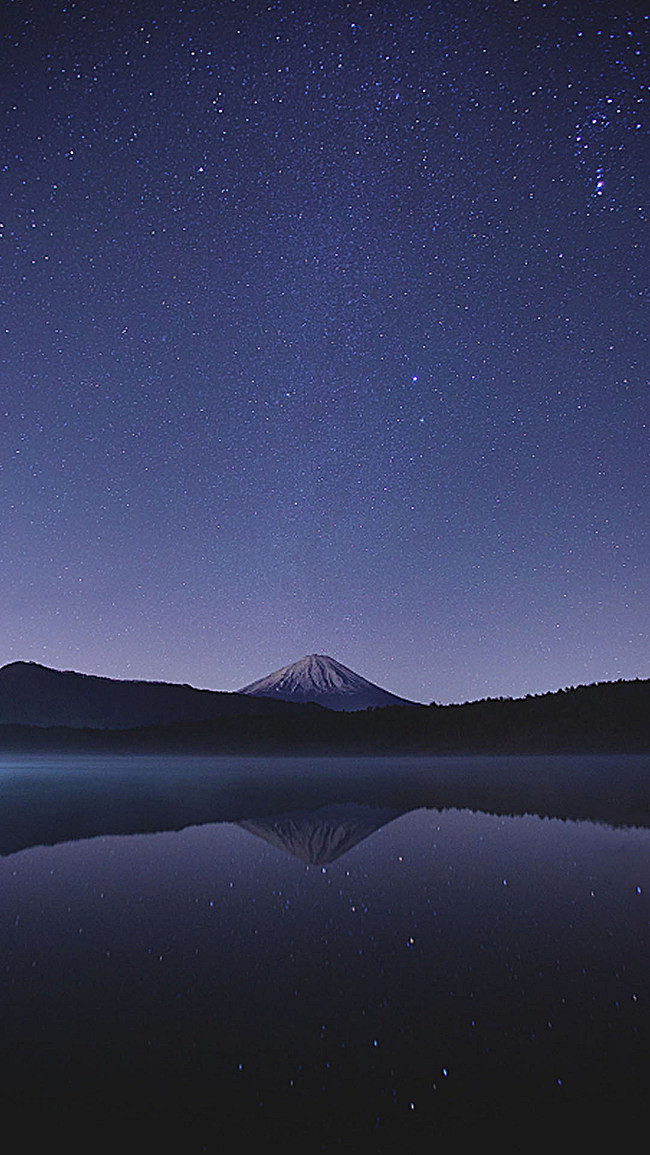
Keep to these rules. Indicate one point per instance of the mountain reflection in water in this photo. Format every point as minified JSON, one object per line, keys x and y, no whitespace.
{"x":64,"y":798}
{"x":321,"y":836}
{"x":442,"y":976}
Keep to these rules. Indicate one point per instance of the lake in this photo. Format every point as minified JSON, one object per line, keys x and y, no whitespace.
{"x":320,"y":955}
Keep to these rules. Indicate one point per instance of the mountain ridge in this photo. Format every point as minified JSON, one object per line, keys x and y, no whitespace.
{"x":32,"y":694}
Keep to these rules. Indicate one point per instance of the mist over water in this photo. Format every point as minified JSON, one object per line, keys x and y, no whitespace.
{"x":58,"y":798}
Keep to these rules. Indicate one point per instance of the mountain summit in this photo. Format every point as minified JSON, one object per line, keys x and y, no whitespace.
{"x":317,"y":678}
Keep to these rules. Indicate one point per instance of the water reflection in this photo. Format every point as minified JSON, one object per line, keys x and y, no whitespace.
{"x":451,"y":976}
{"x":320,"y":836}
{"x":59,"y":799}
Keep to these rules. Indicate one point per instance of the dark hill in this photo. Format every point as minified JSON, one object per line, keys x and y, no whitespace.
{"x":608,"y":717}
{"x":35,"y":695}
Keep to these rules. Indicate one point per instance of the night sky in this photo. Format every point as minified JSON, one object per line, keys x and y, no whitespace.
{"x":323,"y":331}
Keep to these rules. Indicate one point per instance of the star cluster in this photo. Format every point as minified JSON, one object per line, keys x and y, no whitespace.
{"x":323,"y":330}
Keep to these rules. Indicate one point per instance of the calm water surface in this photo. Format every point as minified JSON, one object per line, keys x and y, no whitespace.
{"x":344,"y":975}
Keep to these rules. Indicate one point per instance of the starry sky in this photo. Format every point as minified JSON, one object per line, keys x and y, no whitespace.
{"x":323,"y":331}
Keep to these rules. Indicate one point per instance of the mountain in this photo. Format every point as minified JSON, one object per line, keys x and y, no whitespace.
{"x":35,"y":695}
{"x":317,"y":678}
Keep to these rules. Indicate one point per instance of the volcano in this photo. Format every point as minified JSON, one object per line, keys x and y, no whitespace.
{"x":318,"y":678}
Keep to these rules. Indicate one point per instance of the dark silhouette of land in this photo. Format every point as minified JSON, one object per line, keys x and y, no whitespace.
{"x":35,"y":695}
{"x":137,"y":717}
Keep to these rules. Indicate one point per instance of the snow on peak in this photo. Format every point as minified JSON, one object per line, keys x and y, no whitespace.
{"x":319,"y":678}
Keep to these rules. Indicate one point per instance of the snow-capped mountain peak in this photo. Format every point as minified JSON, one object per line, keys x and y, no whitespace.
{"x":319,"y":678}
